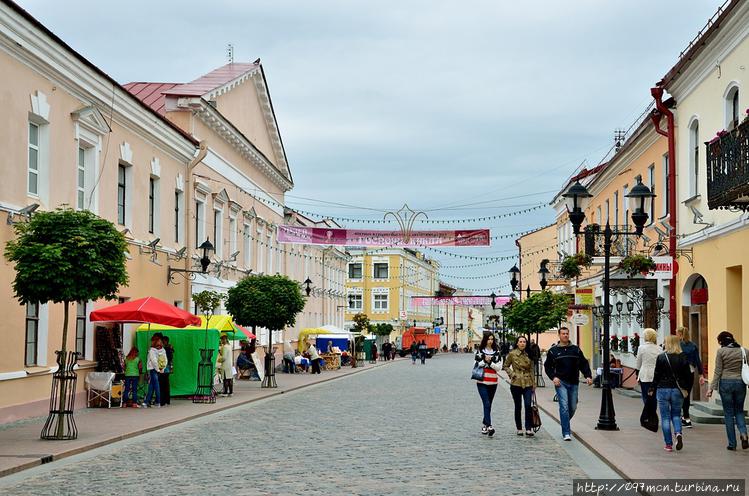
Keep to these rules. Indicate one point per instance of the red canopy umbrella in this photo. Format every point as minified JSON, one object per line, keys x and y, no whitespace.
{"x":145,"y":310}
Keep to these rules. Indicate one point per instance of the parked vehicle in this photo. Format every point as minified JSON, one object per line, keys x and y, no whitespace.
{"x":418,"y":334}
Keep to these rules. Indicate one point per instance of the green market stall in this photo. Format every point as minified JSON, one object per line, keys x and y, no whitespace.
{"x":187,"y":343}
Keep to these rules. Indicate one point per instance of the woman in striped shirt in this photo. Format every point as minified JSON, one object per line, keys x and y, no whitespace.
{"x":488,"y":357}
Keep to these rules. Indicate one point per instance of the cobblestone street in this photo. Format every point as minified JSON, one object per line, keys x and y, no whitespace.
{"x":400,"y":429}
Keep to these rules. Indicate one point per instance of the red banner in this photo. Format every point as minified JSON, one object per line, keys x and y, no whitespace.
{"x":359,"y":237}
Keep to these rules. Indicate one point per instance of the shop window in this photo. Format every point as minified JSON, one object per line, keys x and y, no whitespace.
{"x":32,"y":334}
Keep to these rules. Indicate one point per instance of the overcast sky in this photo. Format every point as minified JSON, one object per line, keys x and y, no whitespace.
{"x":433,"y":103}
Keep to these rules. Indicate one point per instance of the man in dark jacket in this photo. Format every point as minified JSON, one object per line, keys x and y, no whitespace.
{"x":563,"y":365}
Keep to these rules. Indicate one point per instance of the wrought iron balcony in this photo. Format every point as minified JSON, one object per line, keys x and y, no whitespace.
{"x":728,"y":169}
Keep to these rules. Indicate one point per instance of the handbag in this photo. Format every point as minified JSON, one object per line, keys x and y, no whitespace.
{"x":535,"y":416}
{"x":477,"y":374}
{"x":684,"y":392}
{"x":744,"y":368}
{"x":649,"y":416}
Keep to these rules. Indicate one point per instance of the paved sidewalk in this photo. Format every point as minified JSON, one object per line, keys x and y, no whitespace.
{"x":636,"y":453}
{"x":21,"y":448}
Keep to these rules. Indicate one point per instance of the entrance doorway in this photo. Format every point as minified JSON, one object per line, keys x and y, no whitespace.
{"x":694,"y":317}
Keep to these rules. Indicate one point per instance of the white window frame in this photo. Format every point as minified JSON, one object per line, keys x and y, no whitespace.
{"x":90,"y":142}
{"x":651,"y":180}
{"x":155,"y":206}
{"x":179,"y":216}
{"x":728,"y":107}
{"x":361,"y":271}
{"x":218,"y":229}
{"x":616,"y":208}
{"x":33,"y":171}
{"x":355,"y":296}
{"x":694,"y":157}
{"x":260,"y":251}
{"x":376,"y":262}
{"x":200,"y":208}
{"x":269,"y":243}
{"x":246,"y":244}
{"x":380,"y":292}
{"x":232,"y":232}
{"x":664,"y":186}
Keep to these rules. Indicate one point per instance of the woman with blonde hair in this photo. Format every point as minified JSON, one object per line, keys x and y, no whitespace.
{"x":695,"y":365}
{"x":647,"y":354}
{"x":671,"y":373}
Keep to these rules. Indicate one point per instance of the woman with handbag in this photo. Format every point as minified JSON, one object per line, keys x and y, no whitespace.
{"x":671,"y":373}
{"x":647,"y":354}
{"x":485,"y":374}
{"x":519,"y":367}
{"x":730,"y":382}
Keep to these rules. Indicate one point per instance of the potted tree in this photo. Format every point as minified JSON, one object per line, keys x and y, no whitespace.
{"x":633,"y":265}
{"x":66,"y":256}
{"x":206,"y":301}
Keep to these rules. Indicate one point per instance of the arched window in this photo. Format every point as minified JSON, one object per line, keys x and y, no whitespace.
{"x":732,"y":107}
{"x":694,"y":158}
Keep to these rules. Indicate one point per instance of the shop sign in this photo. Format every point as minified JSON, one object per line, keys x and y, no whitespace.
{"x":580,"y":319}
{"x":584,"y":296}
{"x":664,"y":268}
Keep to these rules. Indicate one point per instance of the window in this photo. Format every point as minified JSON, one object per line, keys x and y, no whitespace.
{"x":218,"y":232}
{"x":177,"y":219}
{"x":33,"y":185}
{"x":598,"y":215}
{"x":380,"y":302}
{"x":616,"y":208}
{"x":664,"y":187}
{"x":694,"y":158}
{"x":151,"y":202}
{"x":651,"y":181}
{"x":270,"y":255}
{"x":80,"y":328}
{"x":608,"y":211}
{"x":246,"y":246}
{"x":380,"y":270}
{"x":121,"y":194}
{"x":625,"y":206}
{"x":81,"y":192}
{"x":735,"y":109}
{"x":200,"y":223}
{"x":355,"y":302}
{"x":32,"y":334}
{"x":354,"y":270}
{"x":232,"y":235}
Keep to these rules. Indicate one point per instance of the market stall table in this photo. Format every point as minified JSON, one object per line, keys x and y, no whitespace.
{"x":332,"y":360}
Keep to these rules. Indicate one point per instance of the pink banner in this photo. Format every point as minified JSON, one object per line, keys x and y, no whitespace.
{"x":467,"y":301}
{"x":357,"y":237}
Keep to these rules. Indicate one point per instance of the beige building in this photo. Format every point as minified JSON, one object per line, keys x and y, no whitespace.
{"x":170,"y":164}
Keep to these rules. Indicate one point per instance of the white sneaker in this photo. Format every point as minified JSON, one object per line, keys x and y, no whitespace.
{"x":568,"y":438}
{"x":484,"y":430}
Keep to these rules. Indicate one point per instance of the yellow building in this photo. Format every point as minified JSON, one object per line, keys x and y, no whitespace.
{"x":381,"y":282}
{"x":709,"y":84}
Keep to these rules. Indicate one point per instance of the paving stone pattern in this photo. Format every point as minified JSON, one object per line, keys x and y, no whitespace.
{"x":402,"y":429}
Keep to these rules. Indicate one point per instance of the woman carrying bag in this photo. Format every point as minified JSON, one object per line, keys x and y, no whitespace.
{"x":671,"y":373}
{"x":485,"y":374}
{"x":522,"y":383}
{"x":732,"y":388}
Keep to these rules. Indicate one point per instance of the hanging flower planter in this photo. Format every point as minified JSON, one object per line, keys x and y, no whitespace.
{"x":636,"y":264}
{"x":571,"y":266}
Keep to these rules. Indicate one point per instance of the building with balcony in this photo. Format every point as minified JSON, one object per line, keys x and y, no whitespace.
{"x":709,"y":84}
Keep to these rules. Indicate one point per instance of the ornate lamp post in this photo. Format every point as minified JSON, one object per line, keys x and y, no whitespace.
{"x":577,"y":197}
{"x":205,"y":261}
{"x":542,"y":273}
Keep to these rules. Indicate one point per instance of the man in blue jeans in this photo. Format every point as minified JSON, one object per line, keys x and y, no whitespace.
{"x":564,"y":363}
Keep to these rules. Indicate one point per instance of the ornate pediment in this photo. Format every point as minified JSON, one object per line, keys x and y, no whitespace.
{"x":90,"y":118}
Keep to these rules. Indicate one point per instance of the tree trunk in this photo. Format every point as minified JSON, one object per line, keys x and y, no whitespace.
{"x":63,"y":365}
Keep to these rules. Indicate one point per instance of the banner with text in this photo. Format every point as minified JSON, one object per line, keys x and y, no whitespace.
{"x":361,"y":237}
{"x":468,"y":301}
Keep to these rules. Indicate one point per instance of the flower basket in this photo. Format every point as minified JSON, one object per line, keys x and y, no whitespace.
{"x":636,"y":264}
{"x":624,"y":344}
{"x":614,"y":344}
{"x":571,"y":266}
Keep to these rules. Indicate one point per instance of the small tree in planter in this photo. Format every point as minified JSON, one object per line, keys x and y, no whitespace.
{"x":361,"y":324}
{"x":571,"y":266}
{"x":207,"y":302}
{"x":66,"y":256}
{"x":636,"y":264}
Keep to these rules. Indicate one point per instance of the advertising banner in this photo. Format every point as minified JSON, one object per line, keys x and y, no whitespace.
{"x":363,"y":237}
{"x":468,"y":301}
{"x":584,"y":296}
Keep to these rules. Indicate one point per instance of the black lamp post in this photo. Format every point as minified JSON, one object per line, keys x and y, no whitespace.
{"x":542,"y":273}
{"x":577,"y":196}
{"x":307,"y":286}
{"x":205,"y":261}
{"x":514,"y":280}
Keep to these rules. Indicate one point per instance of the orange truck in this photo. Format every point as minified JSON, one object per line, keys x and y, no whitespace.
{"x":419,"y":334}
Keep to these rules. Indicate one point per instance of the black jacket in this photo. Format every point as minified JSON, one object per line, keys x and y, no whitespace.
{"x":663,"y":378}
{"x":566,"y":362}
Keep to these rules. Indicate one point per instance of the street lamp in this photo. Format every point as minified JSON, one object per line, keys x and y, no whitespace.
{"x":514,"y":281}
{"x":494,"y":300}
{"x":542,"y":273}
{"x":577,"y":196}
{"x":307,"y":286}
{"x":189,"y":274}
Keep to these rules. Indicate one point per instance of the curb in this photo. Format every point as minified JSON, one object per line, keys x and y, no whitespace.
{"x":129,"y":435}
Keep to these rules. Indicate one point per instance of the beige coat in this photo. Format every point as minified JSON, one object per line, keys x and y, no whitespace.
{"x":225,"y":361}
{"x":522,"y":369}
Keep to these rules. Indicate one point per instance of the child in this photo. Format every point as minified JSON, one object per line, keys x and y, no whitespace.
{"x":133,"y":368}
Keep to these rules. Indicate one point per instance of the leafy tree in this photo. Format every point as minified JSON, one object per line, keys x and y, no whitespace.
{"x":66,"y":256}
{"x":361,"y":322}
{"x":270,"y":301}
{"x":381,"y":329}
{"x":207,"y":301}
{"x":540,"y":312}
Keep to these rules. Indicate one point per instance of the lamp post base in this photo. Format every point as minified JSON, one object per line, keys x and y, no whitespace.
{"x":607,"y":418}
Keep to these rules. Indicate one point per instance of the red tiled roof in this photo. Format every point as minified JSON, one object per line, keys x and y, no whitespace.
{"x":152,"y":94}
{"x":213,"y":79}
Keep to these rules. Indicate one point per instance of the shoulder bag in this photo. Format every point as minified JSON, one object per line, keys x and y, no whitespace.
{"x":535,"y":416}
{"x":744,"y":367}
{"x":684,"y":392}
{"x":477,"y":374}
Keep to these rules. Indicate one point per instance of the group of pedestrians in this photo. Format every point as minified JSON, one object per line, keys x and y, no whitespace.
{"x":418,"y":350}
{"x":159,"y":366}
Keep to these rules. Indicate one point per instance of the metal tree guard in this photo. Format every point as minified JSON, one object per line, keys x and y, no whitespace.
{"x":60,"y":424}
{"x":269,"y":381}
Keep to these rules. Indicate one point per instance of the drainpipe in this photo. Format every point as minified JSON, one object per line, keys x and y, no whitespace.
{"x":200,"y":154}
{"x":660,"y":111}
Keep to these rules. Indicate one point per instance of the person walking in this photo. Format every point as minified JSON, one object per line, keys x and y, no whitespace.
{"x":133,"y":367}
{"x":164,"y":386}
{"x":487,"y":357}
{"x":423,"y":352}
{"x":727,"y":380}
{"x":564,"y":363}
{"x":414,"y":352}
{"x":314,"y":358}
{"x":646,"y":357}
{"x":155,"y":364}
{"x":671,"y":373}
{"x":519,"y":368}
{"x":225,"y":362}
{"x":695,"y":367}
